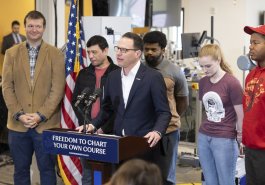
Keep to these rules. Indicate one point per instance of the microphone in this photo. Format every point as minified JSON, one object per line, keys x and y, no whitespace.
{"x":93,"y":97}
{"x":82,"y":96}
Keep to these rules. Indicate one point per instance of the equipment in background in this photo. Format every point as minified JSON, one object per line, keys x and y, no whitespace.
{"x":193,"y":121}
{"x":110,"y":27}
{"x":192,"y":42}
{"x":245,"y":63}
{"x":190,"y":47}
{"x":189,"y":159}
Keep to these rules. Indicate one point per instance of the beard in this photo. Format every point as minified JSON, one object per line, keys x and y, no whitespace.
{"x":153,"y":61}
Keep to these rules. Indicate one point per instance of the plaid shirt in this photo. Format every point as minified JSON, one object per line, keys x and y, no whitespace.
{"x":33,"y":55}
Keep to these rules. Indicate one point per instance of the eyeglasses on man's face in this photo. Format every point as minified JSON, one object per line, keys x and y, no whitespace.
{"x":123,"y":50}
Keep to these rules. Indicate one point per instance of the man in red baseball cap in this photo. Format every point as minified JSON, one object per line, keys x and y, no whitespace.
{"x":254,"y":106}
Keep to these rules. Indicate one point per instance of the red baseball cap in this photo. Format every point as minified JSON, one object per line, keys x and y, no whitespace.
{"x":260,"y":29}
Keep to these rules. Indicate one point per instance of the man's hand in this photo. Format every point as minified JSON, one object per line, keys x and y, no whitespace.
{"x":89,"y":128}
{"x":153,"y":138}
{"x":29,"y":120}
{"x":35,"y":117}
{"x":239,"y":137}
{"x":99,"y":131}
{"x":241,"y":149}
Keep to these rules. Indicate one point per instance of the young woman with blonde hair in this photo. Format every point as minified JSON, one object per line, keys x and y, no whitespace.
{"x":221,"y":94}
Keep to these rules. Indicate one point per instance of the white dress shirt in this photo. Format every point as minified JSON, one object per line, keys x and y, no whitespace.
{"x":16,"y":38}
{"x":127,"y":82}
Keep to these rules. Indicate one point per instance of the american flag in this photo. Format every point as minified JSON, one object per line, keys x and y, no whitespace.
{"x":75,"y":60}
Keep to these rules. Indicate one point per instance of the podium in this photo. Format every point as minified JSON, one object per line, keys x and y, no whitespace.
{"x":101,"y":150}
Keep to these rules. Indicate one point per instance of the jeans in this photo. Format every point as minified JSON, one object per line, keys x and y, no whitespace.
{"x":86,"y":172}
{"x":166,"y":157}
{"x":218,"y":158}
{"x":22,"y":146}
{"x":172,"y":169}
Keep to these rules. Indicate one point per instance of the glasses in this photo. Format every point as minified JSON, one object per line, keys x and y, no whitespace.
{"x":123,"y":50}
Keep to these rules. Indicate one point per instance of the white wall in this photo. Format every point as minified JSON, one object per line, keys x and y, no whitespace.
{"x":253,"y":10}
{"x":47,"y":8}
{"x":230,"y":17}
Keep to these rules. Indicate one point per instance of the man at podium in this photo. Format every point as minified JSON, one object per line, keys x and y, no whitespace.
{"x":136,"y":94}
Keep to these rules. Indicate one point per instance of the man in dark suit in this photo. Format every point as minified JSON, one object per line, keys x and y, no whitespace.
{"x":136,"y":94}
{"x":12,"y":38}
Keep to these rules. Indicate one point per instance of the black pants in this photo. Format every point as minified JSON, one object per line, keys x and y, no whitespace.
{"x":255,"y":166}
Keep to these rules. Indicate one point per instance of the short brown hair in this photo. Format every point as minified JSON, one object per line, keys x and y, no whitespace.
{"x":35,"y":15}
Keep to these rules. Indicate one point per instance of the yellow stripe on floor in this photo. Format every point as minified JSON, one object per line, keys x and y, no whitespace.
{"x":190,"y":184}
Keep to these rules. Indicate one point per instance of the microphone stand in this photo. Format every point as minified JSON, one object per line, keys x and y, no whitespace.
{"x":86,"y":119}
{"x":86,"y":111}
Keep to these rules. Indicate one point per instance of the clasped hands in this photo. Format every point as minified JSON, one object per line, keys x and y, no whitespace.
{"x":30,"y":120}
{"x":152,"y":137}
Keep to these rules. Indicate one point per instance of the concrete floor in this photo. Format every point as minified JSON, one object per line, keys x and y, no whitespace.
{"x":185,"y":173}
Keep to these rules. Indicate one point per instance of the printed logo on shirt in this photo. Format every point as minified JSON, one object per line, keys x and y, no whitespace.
{"x":213,"y":106}
{"x":254,"y":88}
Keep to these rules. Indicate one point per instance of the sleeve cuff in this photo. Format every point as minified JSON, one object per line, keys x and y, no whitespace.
{"x":93,"y":127}
{"x":159,"y":133}
{"x":18,"y":114}
{"x":42,"y":117}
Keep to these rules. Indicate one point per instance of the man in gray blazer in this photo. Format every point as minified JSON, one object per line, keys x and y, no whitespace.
{"x":13,"y":38}
{"x":33,"y":87}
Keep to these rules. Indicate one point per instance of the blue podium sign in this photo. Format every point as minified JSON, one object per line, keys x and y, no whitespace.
{"x":93,"y":147}
{"x":101,"y":150}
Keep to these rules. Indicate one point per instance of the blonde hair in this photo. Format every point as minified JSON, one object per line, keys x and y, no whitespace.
{"x":137,"y":172}
{"x":215,"y":52}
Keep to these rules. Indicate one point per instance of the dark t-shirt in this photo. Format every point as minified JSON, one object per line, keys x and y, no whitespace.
{"x":219,"y":100}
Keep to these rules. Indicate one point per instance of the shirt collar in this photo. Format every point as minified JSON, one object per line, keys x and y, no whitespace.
{"x":161,"y":65}
{"x":260,"y":68}
{"x":29,"y":46}
{"x":133,"y":71}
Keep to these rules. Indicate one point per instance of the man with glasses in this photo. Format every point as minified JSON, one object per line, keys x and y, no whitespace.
{"x":93,"y":77}
{"x":33,"y":87}
{"x":136,"y":94}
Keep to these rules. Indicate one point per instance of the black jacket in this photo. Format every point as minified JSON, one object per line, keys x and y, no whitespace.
{"x":3,"y":120}
{"x":87,"y":78}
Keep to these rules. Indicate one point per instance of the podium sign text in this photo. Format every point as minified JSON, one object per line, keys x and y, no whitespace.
{"x":92,"y":147}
